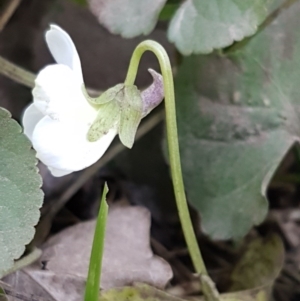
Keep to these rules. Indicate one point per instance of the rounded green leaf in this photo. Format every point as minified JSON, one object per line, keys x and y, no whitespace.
{"x":20,"y":193}
{"x":199,"y":26}
{"x":129,"y":18}
{"x":238,"y":115}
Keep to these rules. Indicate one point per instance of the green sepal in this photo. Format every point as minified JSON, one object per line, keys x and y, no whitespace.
{"x":107,"y":118}
{"x":131,"y":105}
{"x":120,"y":106}
{"x":108,"y":95}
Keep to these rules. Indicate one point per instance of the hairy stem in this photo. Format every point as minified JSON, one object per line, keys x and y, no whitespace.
{"x":173,"y":145}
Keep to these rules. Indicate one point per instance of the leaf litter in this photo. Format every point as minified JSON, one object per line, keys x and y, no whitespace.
{"x":127,"y":258}
{"x":127,"y":262}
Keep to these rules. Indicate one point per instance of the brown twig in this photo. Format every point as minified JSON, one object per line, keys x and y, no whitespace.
{"x":180,"y":270}
{"x":8,"y":11}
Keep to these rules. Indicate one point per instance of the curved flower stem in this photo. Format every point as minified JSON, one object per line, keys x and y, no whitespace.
{"x":173,"y":145}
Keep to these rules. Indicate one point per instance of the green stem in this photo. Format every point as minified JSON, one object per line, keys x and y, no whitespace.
{"x":173,"y":145}
{"x":94,"y":273}
{"x":16,"y":73}
{"x":24,"y":77}
{"x":33,"y":256}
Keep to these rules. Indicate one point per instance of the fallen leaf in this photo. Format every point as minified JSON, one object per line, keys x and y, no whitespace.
{"x":138,"y":292}
{"x":143,"y":292}
{"x":260,"y":265}
{"x":253,"y":277}
{"x":127,"y":257}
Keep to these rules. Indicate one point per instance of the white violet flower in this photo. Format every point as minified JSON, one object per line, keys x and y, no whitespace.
{"x":61,"y":115}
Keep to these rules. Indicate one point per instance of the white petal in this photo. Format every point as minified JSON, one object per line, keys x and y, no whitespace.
{"x":58,"y":94}
{"x":31,"y":117}
{"x":59,"y":172}
{"x":63,"y":49}
{"x":64,"y":146}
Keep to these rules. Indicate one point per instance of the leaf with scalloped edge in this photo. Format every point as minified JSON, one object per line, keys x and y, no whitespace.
{"x":199,"y":26}
{"x":20,"y":193}
{"x":129,"y":18}
{"x":238,"y":115}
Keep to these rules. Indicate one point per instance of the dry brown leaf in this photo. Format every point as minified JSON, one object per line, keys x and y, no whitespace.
{"x":127,"y":257}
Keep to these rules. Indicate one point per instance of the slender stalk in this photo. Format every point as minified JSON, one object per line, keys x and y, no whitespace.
{"x":173,"y":145}
{"x":16,"y":73}
{"x":34,"y":255}
{"x":25,"y":77}
{"x":7,"y":11}
{"x":94,"y":273}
